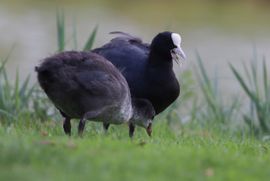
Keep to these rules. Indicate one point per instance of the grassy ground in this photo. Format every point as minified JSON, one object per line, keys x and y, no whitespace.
{"x":31,"y":150}
{"x":41,"y":151}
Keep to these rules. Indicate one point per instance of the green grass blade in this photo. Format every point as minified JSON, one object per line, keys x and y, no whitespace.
{"x":247,"y":73}
{"x":205,"y":84}
{"x":24,"y":86}
{"x":16,"y":95}
{"x":4,"y":60}
{"x":265,"y":80}
{"x":29,"y":93}
{"x":244,"y":85}
{"x":7,"y":86}
{"x":2,"y":65}
{"x":255,"y":77}
{"x":235,"y":105}
{"x":215,"y":84}
{"x":60,"y":31}
{"x":89,"y":44}
{"x":7,"y":114}
{"x":207,"y":90}
{"x":202,"y":69}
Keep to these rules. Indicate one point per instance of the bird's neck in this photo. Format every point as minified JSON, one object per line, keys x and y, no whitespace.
{"x":135,"y":113}
{"x":157,"y":59}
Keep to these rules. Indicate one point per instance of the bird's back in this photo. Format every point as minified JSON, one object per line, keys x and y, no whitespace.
{"x":77,"y":82}
{"x":155,"y":83}
{"x":129,"y":55}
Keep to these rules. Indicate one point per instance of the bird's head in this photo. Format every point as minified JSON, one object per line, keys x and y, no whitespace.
{"x":143,"y":115}
{"x":168,"y":44}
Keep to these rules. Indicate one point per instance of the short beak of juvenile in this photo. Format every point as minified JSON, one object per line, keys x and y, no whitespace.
{"x":149,"y":129}
{"x":178,"y":53}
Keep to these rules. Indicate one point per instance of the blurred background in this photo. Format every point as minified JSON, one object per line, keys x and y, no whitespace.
{"x":221,"y":31}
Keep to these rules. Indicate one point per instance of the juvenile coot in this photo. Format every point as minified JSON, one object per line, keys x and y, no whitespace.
{"x":85,"y":85}
{"x":148,"y":69}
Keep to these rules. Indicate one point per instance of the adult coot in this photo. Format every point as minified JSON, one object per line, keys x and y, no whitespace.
{"x":148,"y":69}
{"x":85,"y":85}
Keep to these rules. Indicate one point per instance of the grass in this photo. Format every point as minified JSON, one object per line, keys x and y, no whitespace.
{"x":257,"y":88}
{"x":61,"y":34}
{"x":35,"y":151}
{"x":19,"y":98}
{"x":34,"y":147}
{"x":214,"y":109}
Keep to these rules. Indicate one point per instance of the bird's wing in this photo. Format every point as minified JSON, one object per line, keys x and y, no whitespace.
{"x":123,"y":40}
{"x":127,"y":36}
{"x":98,"y":83}
{"x":131,"y":39}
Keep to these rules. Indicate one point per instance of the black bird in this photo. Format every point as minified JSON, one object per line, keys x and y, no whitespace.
{"x":148,"y":69}
{"x":86,"y":86}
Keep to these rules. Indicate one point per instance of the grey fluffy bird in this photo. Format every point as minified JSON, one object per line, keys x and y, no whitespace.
{"x":86,"y":86}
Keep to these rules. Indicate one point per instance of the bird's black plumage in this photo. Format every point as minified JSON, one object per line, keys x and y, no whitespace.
{"x":148,"y":68}
{"x":85,"y":85}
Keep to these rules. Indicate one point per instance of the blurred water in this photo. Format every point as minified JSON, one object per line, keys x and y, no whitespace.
{"x":218,"y":32}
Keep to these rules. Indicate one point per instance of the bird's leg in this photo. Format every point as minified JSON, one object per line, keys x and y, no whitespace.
{"x":86,"y":116}
{"x":131,"y":129}
{"x":81,"y":126}
{"x":106,"y":127}
{"x":66,"y":123}
{"x":67,"y":126}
